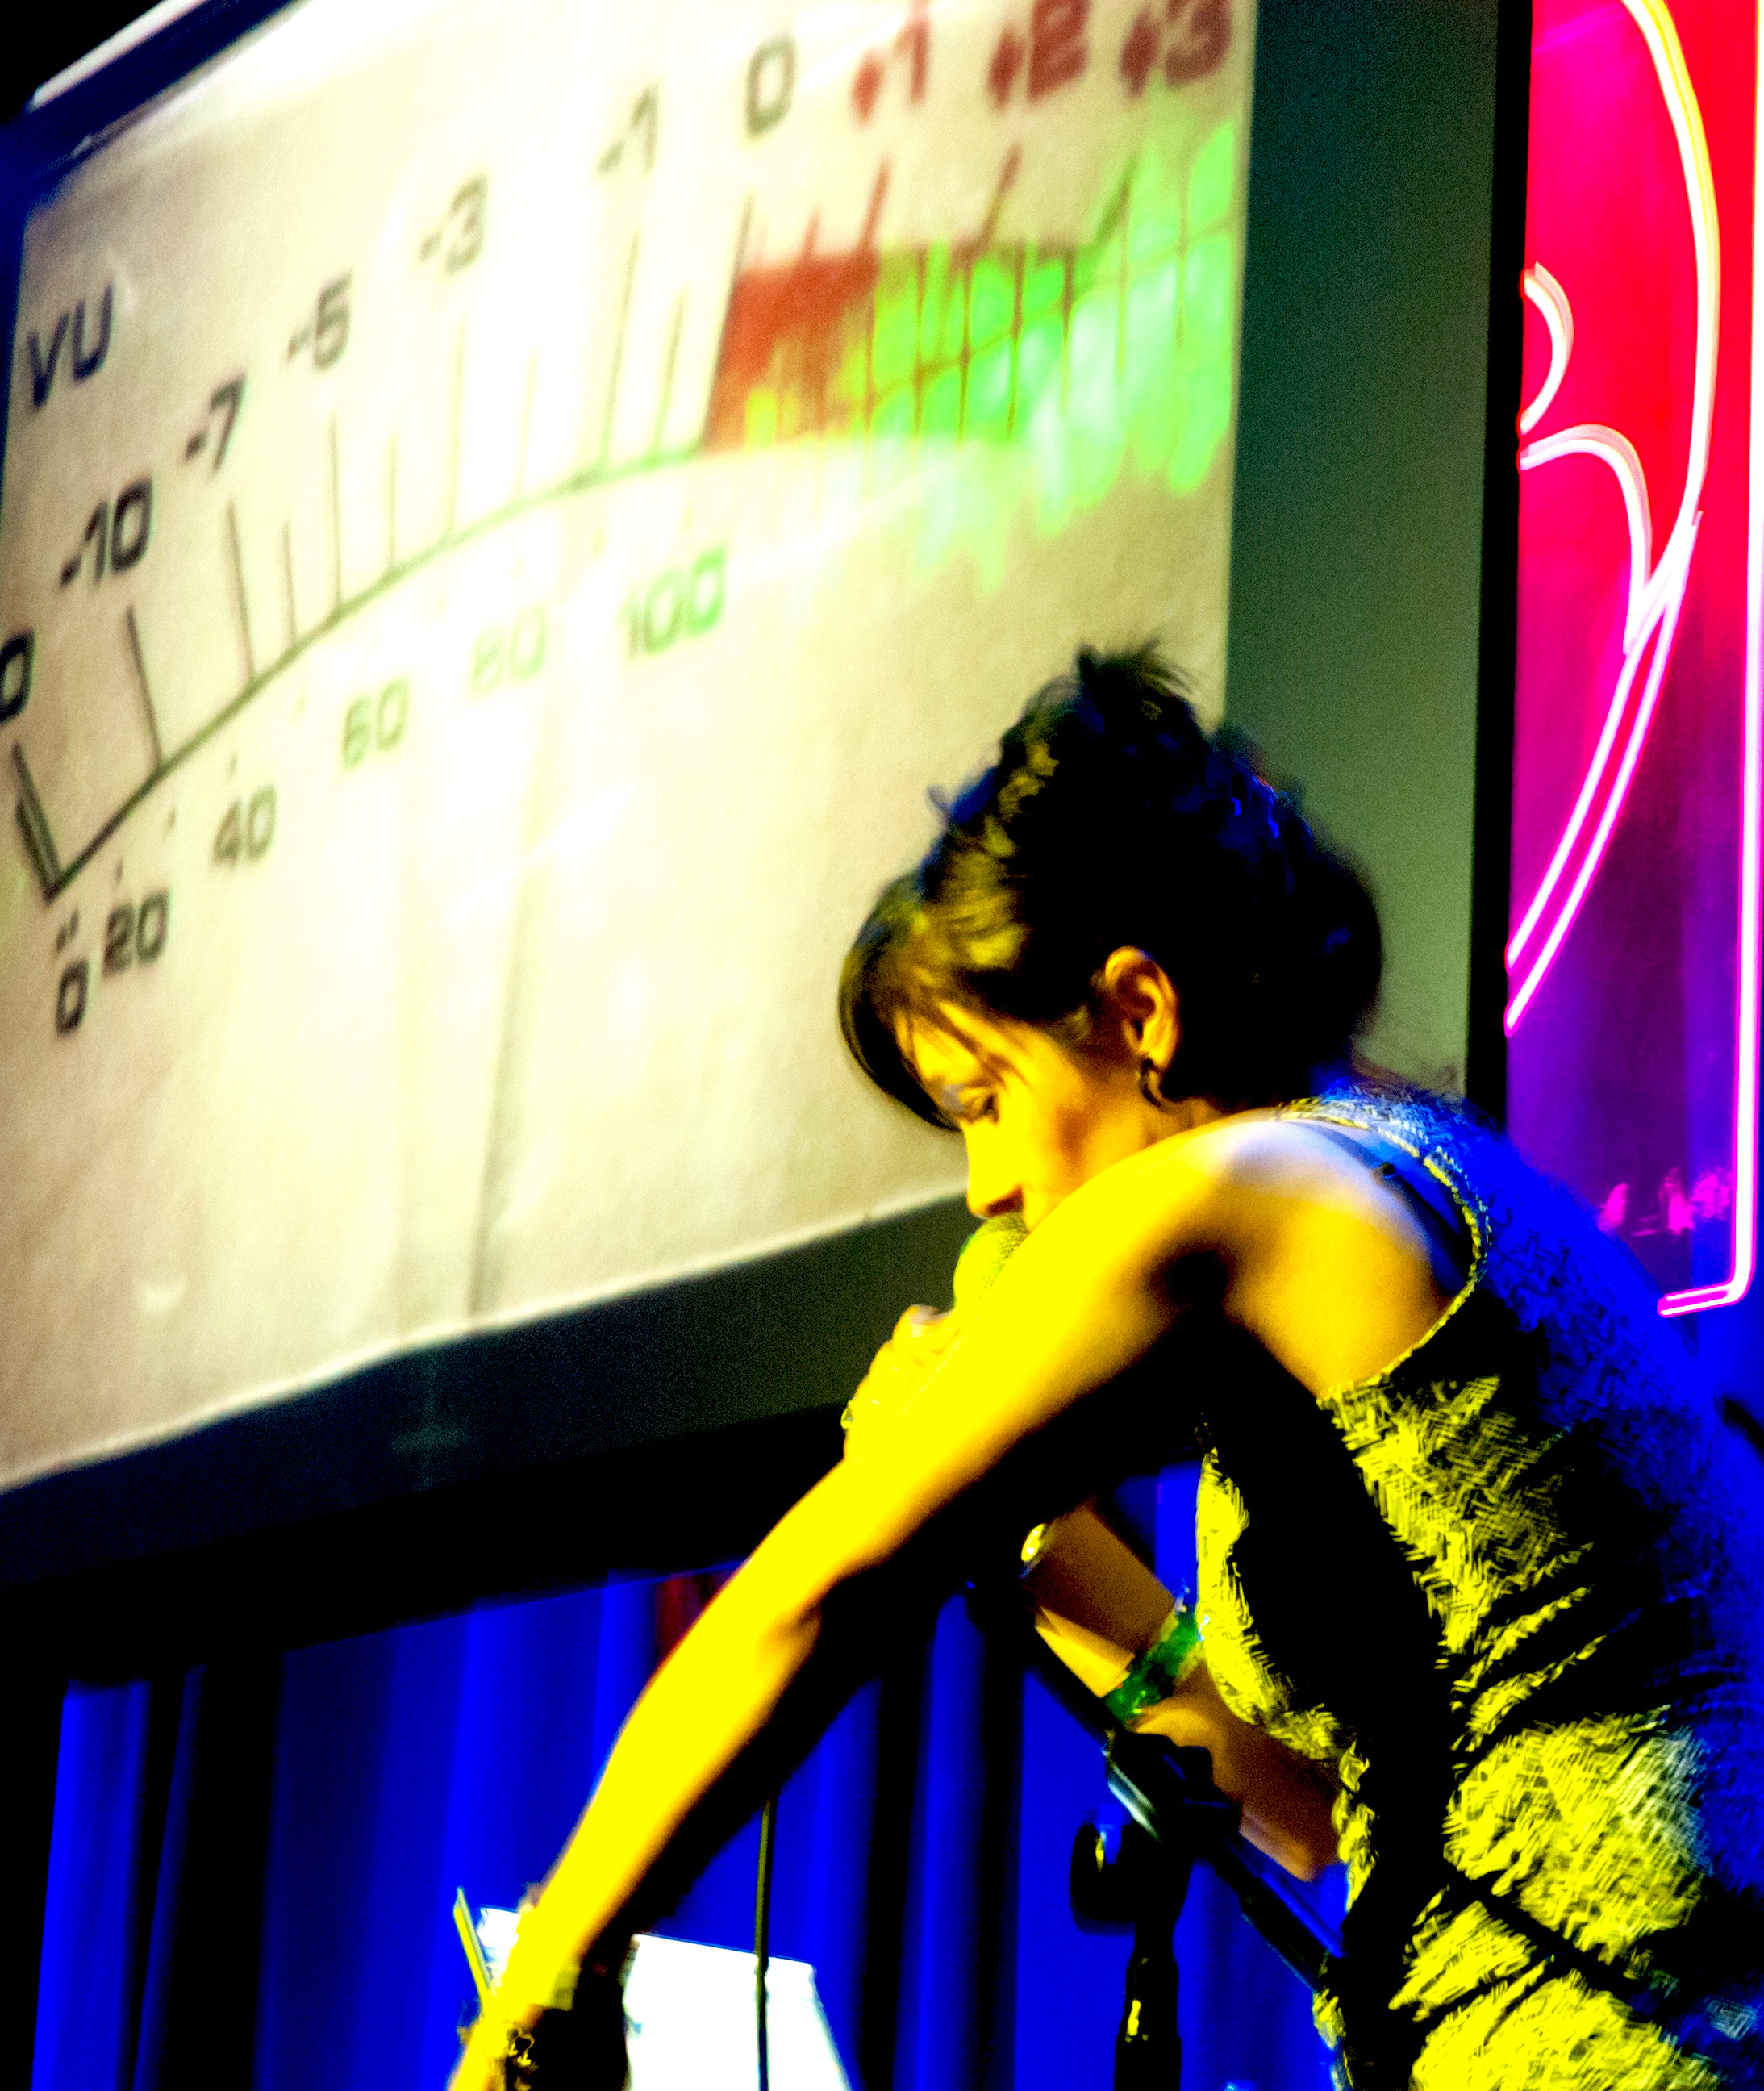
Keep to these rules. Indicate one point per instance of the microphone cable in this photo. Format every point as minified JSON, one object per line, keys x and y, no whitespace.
{"x":762,"y":1935}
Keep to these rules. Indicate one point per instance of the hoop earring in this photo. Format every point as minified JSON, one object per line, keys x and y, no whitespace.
{"x":1155,"y":1099}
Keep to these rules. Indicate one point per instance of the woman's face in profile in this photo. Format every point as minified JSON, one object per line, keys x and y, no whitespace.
{"x":1038,"y":1120}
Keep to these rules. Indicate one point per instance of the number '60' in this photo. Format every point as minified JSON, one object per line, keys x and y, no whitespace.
{"x":375,"y":725}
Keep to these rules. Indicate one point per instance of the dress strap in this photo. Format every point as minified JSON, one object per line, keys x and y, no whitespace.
{"x":1441,"y":1220}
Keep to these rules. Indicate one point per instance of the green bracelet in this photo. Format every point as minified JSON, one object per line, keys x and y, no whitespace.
{"x":1153,"y":1676}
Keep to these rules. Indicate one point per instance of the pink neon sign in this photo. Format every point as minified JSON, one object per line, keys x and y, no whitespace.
{"x":1632,"y":1013}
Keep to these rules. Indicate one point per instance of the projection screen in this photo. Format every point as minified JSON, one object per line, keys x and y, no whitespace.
{"x":507,"y":506}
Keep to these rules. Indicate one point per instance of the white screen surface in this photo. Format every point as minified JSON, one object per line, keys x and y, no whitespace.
{"x":506,"y":508}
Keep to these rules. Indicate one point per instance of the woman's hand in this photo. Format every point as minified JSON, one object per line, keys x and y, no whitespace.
{"x":546,"y":2026}
{"x":1098,"y":1607}
{"x":489,"y":2046}
{"x":1287,"y":1800}
{"x":580,"y":2050}
{"x":921,"y":1341}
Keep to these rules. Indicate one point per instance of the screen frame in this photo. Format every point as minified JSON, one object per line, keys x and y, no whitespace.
{"x":1491,"y":868}
{"x":664,"y":1428}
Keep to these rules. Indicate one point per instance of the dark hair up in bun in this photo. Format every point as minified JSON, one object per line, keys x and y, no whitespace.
{"x":1111,"y":818}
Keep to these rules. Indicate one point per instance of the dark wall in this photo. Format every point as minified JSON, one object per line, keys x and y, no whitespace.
{"x":40,"y":40}
{"x":1358,"y":536}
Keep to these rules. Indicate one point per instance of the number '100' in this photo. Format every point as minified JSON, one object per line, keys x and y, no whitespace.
{"x":681,"y":602}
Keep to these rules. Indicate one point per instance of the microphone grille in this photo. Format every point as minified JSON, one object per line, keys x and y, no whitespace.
{"x":984,"y":1255}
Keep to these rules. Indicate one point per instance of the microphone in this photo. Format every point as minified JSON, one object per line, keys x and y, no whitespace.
{"x":984,"y":1254}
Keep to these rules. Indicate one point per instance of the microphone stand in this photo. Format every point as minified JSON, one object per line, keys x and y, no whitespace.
{"x":1120,"y":1876}
{"x":1141,"y":1876}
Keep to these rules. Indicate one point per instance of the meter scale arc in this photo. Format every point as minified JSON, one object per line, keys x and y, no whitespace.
{"x":502,"y":519}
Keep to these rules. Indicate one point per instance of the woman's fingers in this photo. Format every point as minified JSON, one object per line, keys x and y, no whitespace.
{"x":915,"y":1323}
{"x":920,"y":1339}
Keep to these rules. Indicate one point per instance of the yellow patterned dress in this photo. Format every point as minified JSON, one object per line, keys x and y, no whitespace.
{"x":1513,"y":1591}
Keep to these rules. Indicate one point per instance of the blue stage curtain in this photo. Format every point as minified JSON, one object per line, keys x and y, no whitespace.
{"x":921,"y":1863}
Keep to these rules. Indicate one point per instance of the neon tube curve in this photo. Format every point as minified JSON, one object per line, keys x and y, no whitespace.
{"x":1656,"y":588}
{"x":1751,"y":951}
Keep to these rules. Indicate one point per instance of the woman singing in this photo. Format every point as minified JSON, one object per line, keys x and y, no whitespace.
{"x":1482,"y":1582}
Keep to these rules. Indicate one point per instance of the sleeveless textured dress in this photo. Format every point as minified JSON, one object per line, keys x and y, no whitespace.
{"x":1511,"y":1591}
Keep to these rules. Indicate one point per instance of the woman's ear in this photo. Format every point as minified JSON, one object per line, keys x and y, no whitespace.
{"x":1138,"y":1006}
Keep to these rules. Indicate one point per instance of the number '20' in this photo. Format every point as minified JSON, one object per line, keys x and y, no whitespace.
{"x":133,"y":935}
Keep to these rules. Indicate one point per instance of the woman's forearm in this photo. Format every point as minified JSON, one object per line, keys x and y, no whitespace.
{"x":728,"y":1675}
{"x":698,"y":1714}
{"x":1099,"y":1607}
{"x":1084,"y":1305}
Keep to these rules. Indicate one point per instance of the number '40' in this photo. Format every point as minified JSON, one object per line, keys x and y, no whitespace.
{"x":248,"y":827}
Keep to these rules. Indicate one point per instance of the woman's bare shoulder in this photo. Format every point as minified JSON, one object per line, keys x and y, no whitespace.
{"x":1260,"y":1155}
{"x":1326,"y":1261}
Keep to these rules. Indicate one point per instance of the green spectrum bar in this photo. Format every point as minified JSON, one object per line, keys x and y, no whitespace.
{"x":1127,"y":338}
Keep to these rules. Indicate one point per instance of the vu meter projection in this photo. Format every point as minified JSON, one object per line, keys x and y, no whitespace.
{"x":506,"y":508}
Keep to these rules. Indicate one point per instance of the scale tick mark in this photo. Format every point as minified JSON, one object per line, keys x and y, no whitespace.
{"x":239,"y":603}
{"x":141,"y":683}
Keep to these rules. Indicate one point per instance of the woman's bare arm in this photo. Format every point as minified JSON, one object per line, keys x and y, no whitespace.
{"x":1090,"y":1293}
{"x":1098,"y":1607}
{"x":1022,"y":1357}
